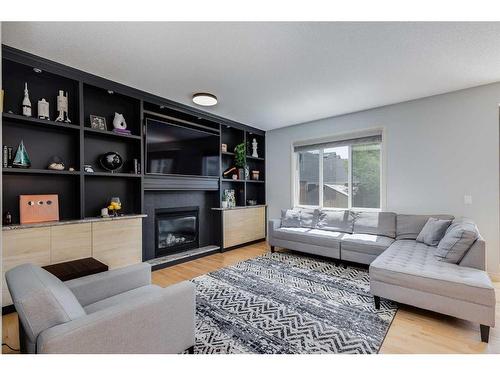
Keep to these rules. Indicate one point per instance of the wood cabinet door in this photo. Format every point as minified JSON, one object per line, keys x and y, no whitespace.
{"x":117,"y":243}
{"x":23,"y":246}
{"x":244,"y":225}
{"x":70,"y":242}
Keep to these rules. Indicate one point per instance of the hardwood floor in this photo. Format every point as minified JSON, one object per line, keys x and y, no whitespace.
{"x":412,"y":331}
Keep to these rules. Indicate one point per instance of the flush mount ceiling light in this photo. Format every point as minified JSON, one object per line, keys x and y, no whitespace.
{"x":204,"y":99}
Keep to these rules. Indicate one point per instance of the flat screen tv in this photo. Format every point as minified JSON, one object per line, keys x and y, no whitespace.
{"x":180,"y":150}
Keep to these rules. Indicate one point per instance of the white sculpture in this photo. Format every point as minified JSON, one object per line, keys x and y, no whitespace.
{"x":62,"y":107}
{"x":43,"y":109}
{"x":254,"y":149}
{"x":119,"y":122}
{"x":26,"y":102}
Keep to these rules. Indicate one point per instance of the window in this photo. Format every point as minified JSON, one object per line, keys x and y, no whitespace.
{"x":347,"y":171}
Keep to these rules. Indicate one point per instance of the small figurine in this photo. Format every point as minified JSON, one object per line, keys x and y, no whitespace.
{"x":21,"y":160}
{"x":62,"y":107}
{"x":26,"y":102}
{"x":43,"y":109}
{"x":254,"y":148}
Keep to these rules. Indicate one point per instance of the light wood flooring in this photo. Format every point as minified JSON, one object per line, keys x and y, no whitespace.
{"x":412,"y":331}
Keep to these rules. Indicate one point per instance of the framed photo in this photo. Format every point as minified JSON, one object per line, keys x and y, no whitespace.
{"x":98,"y":122}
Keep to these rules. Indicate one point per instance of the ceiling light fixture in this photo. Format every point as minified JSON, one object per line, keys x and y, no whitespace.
{"x":204,"y":99}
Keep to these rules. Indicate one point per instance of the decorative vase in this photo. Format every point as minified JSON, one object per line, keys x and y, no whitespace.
{"x":224,"y":204}
{"x":119,"y":122}
{"x":241,"y":173}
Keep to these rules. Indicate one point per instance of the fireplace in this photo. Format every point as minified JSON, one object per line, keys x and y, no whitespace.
{"x":176,"y":230}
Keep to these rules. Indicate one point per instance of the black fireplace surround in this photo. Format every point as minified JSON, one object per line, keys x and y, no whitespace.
{"x":176,"y":230}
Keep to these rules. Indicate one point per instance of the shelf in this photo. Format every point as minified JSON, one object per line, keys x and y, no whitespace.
{"x":231,"y":180}
{"x":109,"y":174}
{"x":256,"y":181}
{"x":35,"y":121}
{"x":108,"y":133}
{"x":254,"y":158}
{"x":38,"y":171}
{"x":227,"y":153}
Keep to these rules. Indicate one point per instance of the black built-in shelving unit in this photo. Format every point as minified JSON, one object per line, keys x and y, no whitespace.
{"x":83,"y":194}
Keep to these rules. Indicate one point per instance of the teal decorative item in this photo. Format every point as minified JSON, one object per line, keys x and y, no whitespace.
{"x":21,"y":160}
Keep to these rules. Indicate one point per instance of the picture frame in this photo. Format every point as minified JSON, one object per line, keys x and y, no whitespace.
{"x":98,"y":122}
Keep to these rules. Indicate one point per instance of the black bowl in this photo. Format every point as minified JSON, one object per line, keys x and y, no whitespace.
{"x":111,"y":161}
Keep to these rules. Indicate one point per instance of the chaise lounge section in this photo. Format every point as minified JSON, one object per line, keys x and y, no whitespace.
{"x":401,"y":268}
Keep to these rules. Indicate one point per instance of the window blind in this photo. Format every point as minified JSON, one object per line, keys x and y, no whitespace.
{"x":376,"y":138}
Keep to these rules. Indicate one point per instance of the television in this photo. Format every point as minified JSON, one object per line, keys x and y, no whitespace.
{"x":180,"y":150}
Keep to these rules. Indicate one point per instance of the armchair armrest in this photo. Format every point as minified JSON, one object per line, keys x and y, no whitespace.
{"x":162,"y":322}
{"x":93,"y":288}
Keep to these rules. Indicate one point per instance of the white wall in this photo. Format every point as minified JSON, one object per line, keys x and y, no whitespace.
{"x":438,"y":149}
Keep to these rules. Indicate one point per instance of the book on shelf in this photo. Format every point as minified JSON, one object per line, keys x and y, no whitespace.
{"x":122,"y":131}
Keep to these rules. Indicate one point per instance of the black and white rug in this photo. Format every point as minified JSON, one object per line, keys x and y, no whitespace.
{"x":288,"y":303}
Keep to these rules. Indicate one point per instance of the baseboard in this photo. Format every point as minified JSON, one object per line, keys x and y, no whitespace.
{"x":242,"y":245}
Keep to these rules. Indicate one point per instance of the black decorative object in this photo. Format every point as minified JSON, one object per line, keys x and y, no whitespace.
{"x":7,"y":218}
{"x":111,"y":161}
{"x":88,"y":168}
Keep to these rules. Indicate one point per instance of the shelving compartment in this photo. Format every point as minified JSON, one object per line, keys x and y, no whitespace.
{"x":43,"y":143}
{"x":100,"y":189}
{"x":232,"y":137}
{"x":255,"y":191}
{"x":66,"y":186}
{"x":239,"y":190}
{"x":261,"y":145}
{"x":95,"y":145}
{"x":40,"y":85}
{"x":100,"y":102}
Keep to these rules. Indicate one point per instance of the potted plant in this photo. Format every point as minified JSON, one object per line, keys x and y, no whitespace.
{"x":240,"y":160}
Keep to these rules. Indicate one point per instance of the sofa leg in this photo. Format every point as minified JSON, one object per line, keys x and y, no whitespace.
{"x":191,"y":350}
{"x":377,"y":302}
{"x":485,"y":333}
{"x":272,"y":249}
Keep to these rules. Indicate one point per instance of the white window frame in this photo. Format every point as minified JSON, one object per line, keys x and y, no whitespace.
{"x":295,"y":174}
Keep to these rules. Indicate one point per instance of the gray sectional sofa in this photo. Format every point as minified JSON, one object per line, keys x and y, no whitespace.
{"x":401,"y":268}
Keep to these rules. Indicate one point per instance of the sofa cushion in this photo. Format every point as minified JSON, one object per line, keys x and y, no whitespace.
{"x":308,"y":217}
{"x":378,"y":223}
{"x":336,"y":221}
{"x":412,"y":265}
{"x":125,"y":297}
{"x":365,"y":243}
{"x":433,"y":231}
{"x":41,"y":299}
{"x":290,"y":218}
{"x":458,"y":239}
{"x":409,"y":226}
{"x":316,"y":237}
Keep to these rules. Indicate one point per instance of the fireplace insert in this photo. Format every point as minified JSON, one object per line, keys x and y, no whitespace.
{"x":176,"y":230}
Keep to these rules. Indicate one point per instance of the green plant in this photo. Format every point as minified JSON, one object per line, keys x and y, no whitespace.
{"x":240,"y":155}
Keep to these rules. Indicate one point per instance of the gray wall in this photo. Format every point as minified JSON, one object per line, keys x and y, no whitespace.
{"x":437,"y":150}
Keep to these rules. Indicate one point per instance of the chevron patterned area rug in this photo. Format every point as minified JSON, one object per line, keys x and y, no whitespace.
{"x":289,"y":303}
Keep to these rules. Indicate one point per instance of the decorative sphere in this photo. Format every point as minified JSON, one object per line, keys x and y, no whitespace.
{"x":111,"y":161}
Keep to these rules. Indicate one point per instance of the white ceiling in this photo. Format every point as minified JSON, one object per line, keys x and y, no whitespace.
{"x":271,"y":75}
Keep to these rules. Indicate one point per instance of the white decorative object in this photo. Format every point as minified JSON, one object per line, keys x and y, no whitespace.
{"x":43,"y":109}
{"x":62,"y":107}
{"x":119,"y":122}
{"x":254,"y":148}
{"x":26,"y":101}
{"x":104,"y":212}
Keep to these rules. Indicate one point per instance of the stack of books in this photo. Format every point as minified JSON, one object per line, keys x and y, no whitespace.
{"x":122,"y":131}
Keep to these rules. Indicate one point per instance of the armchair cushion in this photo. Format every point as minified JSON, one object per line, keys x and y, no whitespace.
{"x":125,"y":297}
{"x":41,"y":299}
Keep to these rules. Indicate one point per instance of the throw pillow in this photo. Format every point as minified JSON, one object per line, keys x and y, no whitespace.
{"x":457,"y":241}
{"x":433,"y":231}
{"x":308,"y":217}
{"x":290,"y":218}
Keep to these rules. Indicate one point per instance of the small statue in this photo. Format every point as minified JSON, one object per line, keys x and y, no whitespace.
{"x":62,"y":107}
{"x":119,"y":122}
{"x":56,"y":164}
{"x":21,"y":160}
{"x":254,"y":148}
{"x":43,"y":110}
{"x":26,"y":102}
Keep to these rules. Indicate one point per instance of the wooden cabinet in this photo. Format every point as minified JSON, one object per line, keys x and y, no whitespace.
{"x":23,"y":246}
{"x":243,"y":225}
{"x":70,"y":242}
{"x":117,"y":243}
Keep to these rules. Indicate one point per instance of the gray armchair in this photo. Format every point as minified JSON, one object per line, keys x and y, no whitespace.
{"x":117,"y":311}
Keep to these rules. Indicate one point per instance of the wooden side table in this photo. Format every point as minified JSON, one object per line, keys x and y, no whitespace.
{"x":76,"y":268}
